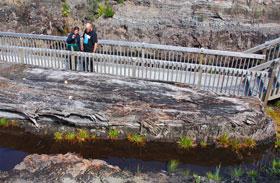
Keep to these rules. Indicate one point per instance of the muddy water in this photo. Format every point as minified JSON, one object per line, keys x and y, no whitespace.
{"x":15,"y":144}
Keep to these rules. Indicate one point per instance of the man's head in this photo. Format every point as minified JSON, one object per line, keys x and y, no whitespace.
{"x":76,"y":30}
{"x":89,"y":27}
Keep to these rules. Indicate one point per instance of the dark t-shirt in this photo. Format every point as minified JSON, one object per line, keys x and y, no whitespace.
{"x":73,"y":41}
{"x":90,"y":39}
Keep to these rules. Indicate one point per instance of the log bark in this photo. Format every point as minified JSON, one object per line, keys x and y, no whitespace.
{"x":158,"y":110}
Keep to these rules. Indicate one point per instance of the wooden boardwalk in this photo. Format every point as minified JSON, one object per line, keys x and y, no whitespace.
{"x":223,"y":72}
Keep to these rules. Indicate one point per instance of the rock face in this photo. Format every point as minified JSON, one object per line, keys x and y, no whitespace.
{"x":158,"y":110}
{"x":225,"y":25}
{"x":71,"y":168}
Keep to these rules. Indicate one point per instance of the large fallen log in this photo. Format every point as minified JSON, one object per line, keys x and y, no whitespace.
{"x":158,"y":110}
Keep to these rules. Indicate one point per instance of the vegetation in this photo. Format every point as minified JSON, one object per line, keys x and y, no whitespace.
{"x":4,"y":122}
{"x":113,"y":133}
{"x":172,"y":165}
{"x":65,"y":10}
{"x":58,"y":136}
{"x":249,"y":143}
{"x":223,"y":140}
{"x":97,"y":9}
{"x":277,"y":143}
{"x":235,"y":144}
{"x":203,"y":143}
{"x":214,"y":175}
{"x":83,"y":135}
{"x":70,"y":136}
{"x":274,"y":113}
{"x":185,"y":142}
{"x":93,"y":137}
{"x":136,"y":138}
{"x":253,"y":174}
{"x":197,"y":178}
{"x":275,"y":169}
{"x":237,"y":172}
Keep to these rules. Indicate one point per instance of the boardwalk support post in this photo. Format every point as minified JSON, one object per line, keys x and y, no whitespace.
{"x":271,"y":75}
{"x":200,"y":69}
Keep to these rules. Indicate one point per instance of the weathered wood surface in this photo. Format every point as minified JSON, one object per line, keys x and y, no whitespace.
{"x":158,"y":110}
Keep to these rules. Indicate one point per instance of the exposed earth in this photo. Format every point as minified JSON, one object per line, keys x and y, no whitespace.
{"x":215,"y":24}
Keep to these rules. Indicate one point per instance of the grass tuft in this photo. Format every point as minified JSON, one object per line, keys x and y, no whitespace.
{"x":4,"y":122}
{"x":83,"y":135}
{"x":113,"y":134}
{"x":223,"y":140}
{"x":253,"y":174}
{"x":136,"y":139}
{"x":214,"y":175}
{"x":70,"y":136}
{"x":172,"y":165}
{"x":185,"y":142}
{"x":58,"y":136}
{"x":250,"y":143}
{"x":203,"y":143}
{"x":237,"y":172}
{"x":275,"y":167}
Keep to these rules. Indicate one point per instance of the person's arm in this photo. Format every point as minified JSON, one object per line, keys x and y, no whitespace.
{"x":94,"y":47}
{"x":70,"y":39}
{"x":95,"y":43}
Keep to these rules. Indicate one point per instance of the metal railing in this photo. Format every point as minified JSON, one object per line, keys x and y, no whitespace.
{"x":222,"y":80}
{"x":203,"y":56}
{"x":270,"y":48}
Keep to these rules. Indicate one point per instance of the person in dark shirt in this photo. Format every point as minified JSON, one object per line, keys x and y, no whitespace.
{"x":73,"y":43}
{"x":89,"y":45}
{"x":89,"y":39}
{"x":73,"y":40}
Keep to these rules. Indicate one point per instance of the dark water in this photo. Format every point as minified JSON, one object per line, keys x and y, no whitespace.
{"x":15,"y":144}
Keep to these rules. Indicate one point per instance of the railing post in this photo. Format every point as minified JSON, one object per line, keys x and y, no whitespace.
{"x":143,"y":50}
{"x":21,"y":55}
{"x":271,"y":76}
{"x":200,"y":69}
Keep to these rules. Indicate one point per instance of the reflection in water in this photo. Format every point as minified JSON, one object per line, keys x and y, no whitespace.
{"x":154,"y":156}
{"x":9,"y":158}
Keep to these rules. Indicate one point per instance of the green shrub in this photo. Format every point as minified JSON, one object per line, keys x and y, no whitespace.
{"x":172,"y":165}
{"x":185,"y":142}
{"x":113,"y":133}
{"x":214,"y":175}
{"x":65,"y":10}
{"x":101,"y":10}
{"x":4,"y":122}
{"x":108,"y":12}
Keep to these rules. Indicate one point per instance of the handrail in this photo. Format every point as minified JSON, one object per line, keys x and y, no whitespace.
{"x":142,"y":45}
{"x":264,"y":65}
{"x":263,"y":46}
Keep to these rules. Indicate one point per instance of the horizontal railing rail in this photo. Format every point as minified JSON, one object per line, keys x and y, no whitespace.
{"x":270,"y":48}
{"x":143,"y":50}
{"x":222,"y":80}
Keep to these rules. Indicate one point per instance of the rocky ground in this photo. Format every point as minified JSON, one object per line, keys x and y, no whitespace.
{"x":160,"y":111}
{"x":226,"y":25}
{"x":71,"y":168}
